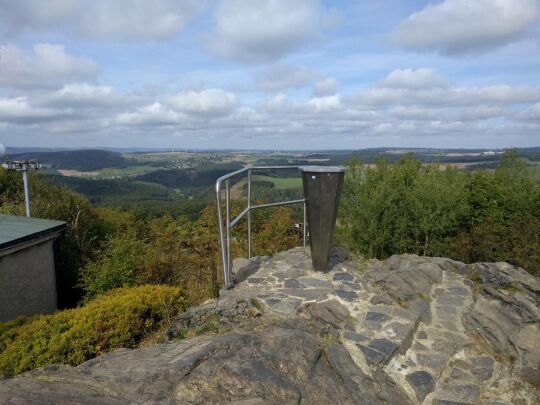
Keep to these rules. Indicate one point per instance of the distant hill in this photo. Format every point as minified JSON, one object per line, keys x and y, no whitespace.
{"x":14,"y":150}
{"x":82,"y":160}
{"x":180,"y":178}
{"x":107,"y":190}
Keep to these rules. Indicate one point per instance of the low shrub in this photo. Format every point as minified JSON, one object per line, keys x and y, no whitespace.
{"x":120,"y":318}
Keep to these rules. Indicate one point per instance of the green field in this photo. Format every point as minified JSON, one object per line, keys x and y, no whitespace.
{"x":281,"y":183}
{"x":126,"y":171}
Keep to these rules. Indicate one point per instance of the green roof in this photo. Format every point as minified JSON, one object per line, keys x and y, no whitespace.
{"x":15,"y":229}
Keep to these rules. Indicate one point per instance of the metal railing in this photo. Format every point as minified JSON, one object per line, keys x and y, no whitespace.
{"x":225,"y":229}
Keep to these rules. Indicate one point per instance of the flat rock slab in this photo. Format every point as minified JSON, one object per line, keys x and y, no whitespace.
{"x":376,"y":316}
{"x":293,"y":283}
{"x":422,"y":382}
{"x":343,"y":277}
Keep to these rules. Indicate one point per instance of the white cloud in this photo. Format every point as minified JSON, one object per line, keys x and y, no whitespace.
{"x":85,"y":95}
{"x":48,"y":66}
{"x":19,"y":111}
{"x":283,"y":106}
{"x":324,"y":104}
{"x":409,"y":106}
{"x":186,"y":108}
{"x":495,"y":94}
{"x":265,"y":30}
{"x":531,"y":113}
{"x":152,"y":115}
{"x":460,"y":26}
{"x":137,"y":19}
{"x":101,"y":19}
{"x":427,"y":87}
{"x":278,"y":103}
{"x":281,"y":77}
{"x":25,"y":15}
{"x":415,"y":113}
{"x":325,"y":87}
{"x":415,"y":79}
{"x":446,"y":114}
{"x":480,"y":112}
{"x":210,"y":102}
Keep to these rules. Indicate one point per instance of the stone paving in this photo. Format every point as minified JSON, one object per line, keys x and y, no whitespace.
{"x":286,"y":282}
{"x":434,"y":344}
{"x":421,"y":344}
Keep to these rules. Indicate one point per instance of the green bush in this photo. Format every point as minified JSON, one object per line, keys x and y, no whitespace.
{"x":116,"y":268}
{"x":401,"y":207}
{"x":431,"y":210}
{"x":120,"y":318}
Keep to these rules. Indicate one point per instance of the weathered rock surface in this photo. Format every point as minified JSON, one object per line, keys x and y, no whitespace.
{"x":407,"y":330}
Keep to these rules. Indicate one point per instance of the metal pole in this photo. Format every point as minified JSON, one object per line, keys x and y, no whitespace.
{"x":249,"y":213}
{"x":26,"y":190}
{"x":228,"y":225}
{"x":304,"y":235}
{"x":221,"y":235}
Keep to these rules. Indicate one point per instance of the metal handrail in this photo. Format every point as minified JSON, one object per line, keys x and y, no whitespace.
{"x":225,"y":234}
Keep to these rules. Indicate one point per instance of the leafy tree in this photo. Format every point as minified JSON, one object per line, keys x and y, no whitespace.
{"x":504,"y":220}
{"x":122,"y":257}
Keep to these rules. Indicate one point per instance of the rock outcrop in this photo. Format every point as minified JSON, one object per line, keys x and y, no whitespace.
{"x":403,"y":331}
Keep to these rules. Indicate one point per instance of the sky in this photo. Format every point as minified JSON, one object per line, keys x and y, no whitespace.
{"x":270,"y":74}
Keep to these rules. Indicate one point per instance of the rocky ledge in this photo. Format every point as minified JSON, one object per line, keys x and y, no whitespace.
{"x":403,"y":331}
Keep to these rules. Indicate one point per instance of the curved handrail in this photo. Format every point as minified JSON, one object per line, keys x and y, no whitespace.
{"x":225,"y":232}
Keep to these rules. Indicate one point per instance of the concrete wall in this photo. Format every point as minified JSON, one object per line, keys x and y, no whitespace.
{"x":27,"y":280}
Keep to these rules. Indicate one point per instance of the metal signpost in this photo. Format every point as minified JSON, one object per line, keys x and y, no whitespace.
{"x":21,"y":166}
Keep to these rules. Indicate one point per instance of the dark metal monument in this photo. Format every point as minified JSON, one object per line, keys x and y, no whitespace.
{"x":322,"y":189}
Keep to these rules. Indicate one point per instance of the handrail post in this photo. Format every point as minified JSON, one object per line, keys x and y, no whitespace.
{"x":221,"y":234}
{"x":228,"y":224}
{"x":304,"y":227}
{"x":249,"y":213}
